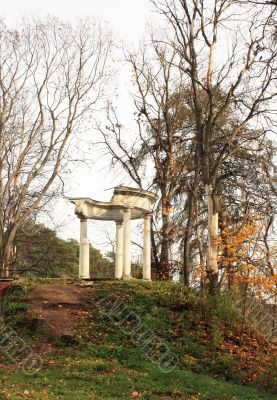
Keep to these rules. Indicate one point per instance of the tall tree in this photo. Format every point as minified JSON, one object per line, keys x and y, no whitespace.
{"x":163,"y":145}
{"x":52,"y":74}
{"x":236,"y":75}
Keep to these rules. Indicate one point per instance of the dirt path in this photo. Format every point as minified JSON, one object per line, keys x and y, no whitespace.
{"x":55,"y":306}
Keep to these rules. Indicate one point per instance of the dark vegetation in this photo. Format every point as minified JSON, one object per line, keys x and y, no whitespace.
{"x":45,"y":255}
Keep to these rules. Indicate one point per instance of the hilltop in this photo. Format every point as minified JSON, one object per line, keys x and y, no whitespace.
{"x":123,"y":340}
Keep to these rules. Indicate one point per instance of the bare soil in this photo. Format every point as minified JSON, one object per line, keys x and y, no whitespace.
{"x":55,"y":307}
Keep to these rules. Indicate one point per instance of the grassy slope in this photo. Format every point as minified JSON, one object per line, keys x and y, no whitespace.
{"x":107,"y":364}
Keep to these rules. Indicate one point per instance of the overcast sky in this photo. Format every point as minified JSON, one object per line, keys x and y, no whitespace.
{"x":127,"y":19}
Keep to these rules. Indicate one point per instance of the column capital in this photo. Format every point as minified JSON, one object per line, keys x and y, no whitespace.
{"x":119,"y":222}
{"x":148,"y":215}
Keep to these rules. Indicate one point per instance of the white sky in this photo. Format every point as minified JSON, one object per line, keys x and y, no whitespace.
{"x":127,"y":18}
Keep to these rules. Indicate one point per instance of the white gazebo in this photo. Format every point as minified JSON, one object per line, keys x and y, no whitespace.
{"x":126,"y":204}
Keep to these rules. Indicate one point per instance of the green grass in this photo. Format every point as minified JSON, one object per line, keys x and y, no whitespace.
{"x":79,"y":376}
{"x":108,"y":363}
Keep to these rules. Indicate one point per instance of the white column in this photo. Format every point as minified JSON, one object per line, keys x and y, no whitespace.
{"x":127,"y":243}
{"x":119,"y":251}
{"x":147,"y":247}
{"x":84,"y":250}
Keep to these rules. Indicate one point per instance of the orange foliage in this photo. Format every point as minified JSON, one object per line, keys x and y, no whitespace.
{"x":238,"y":267}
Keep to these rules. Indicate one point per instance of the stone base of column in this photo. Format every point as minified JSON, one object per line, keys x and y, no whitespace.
{"x":85,"y":283}
{"x":84,"y":277}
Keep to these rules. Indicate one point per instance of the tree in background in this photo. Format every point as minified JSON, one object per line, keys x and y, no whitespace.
{"x":47,"y":255}
{"x":52,"y":74}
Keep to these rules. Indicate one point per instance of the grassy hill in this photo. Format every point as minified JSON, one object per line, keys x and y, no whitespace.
{"x":142,"y":340}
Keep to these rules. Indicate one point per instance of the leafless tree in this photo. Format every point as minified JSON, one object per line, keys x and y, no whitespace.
{"x":161,"y":155}
{"x":52,"y":74}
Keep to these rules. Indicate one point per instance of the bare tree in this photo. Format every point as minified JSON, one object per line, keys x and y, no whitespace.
{"x":164,"y":143}
{"x":51,"y":76}
{"x":230,"y":67}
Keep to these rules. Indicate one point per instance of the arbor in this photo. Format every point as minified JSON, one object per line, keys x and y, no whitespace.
{"x":236,"y":76}
{"x":52,"y":74}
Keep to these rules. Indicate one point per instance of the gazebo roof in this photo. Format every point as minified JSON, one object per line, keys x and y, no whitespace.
{"x":139,"y":201}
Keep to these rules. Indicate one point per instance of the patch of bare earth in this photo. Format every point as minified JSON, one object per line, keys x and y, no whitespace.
{"x":54,"y":307}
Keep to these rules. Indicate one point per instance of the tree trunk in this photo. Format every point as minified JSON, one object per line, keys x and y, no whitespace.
{"x":164,"y":272}
{"x":7,"y":252}
{"x":5,"y":260}
{"x":187,"y":237}
{"x":164,"y":268}
{"x":212,"y":250}
{"x":6,"y":265}
{"x":200,"y":247}
{"x":155,"y":257}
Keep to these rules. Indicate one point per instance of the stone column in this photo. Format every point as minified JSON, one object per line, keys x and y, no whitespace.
{"x":147,"y":248}
{"x":127,"y":243}
{"x":84,"y":250}
{"x":119,"y":251}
